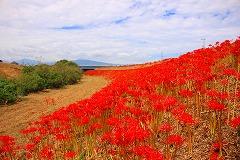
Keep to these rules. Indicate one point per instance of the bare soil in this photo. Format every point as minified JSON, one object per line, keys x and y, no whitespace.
{"x":15,"y":117}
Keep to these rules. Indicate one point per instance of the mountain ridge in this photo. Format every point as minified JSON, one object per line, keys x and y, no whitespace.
{"x":80,"y":62}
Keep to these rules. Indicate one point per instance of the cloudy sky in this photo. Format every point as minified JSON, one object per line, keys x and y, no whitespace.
{"x":115,"y":31}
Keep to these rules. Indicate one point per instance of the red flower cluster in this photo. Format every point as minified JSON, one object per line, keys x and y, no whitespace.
{"x":47,"y":152}
{"x":215,"y":152}
{"x":175,"y":140}
{"x":70,"y":154}
{"x":166,"y":128}
{"x":146,"y":152}
{"x":235,"y":122}
{"x":7,"y":144}
{"x":215,"y":105}
{"x":186,"y":118}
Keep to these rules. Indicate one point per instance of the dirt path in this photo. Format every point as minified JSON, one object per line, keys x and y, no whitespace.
{"x":15,"y":117}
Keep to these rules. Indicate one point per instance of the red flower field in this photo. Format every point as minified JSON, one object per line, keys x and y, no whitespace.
{"x":179,"y":108}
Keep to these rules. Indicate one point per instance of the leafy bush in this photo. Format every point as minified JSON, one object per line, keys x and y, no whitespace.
{"x":8,"y":91}
{"x":70,"y":71}
{"x":28,"y":69}
{"x":42,"y":70}
{"x":54,"y":80}
{"x":28,"y":83}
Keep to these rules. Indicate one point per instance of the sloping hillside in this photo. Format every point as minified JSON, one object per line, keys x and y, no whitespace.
{"x":9,"y":70}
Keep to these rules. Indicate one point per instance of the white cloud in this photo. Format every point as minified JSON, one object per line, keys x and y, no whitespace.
{"x":123,"y":31}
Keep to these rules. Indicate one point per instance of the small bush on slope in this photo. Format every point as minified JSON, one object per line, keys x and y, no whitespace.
{"x":69,"y":70}
{"x":8,"y":93}
{"x":29,"y":83}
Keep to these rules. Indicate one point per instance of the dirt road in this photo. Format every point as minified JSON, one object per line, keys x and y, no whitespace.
{"x":15,"y":117}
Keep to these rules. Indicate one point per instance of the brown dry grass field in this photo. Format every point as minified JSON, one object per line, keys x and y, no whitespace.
{"x":15,"y":117}
{"x":10,"y":70}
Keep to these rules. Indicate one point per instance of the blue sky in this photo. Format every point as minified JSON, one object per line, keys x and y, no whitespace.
{"x":115,"y":31}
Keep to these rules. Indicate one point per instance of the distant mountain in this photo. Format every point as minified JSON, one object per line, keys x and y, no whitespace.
{"x":80,"y":62}
{"x":27,"y":62}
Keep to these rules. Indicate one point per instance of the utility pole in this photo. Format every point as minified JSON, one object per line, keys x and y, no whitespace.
{"x":203,"y":39}
{"x":161,"y":55}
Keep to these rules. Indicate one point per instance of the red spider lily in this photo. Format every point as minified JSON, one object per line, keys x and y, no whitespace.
{"x":30,"y":130}
{"x":178,"y":111}
{"x":66,"y":127}
{"x":29,"y":155}
{"x":156,"y":97}
{"x":223,"y":95}
{"x":146,"y":152}
{"x":215,"y":105}
{"x":166,"y":128}
{"x":120,"y":108}
{"x":29,"y":147}
{"x":7,"y":140}
{"x":94,"y":127}
{"x":113,"y":121}
{"x":128,"y":131}
{"x":62,"y":137}
{"x":186,"y":93}
{"x":214,"y":156}
{"x":7,"y":144}
{"x":69,"y":154}
{"x":229,"y":71}
{"x":169,"y":101}
{"x":215,"y":152}
{"x":186,"y":118}
{"x":212,"y":93}
{"x":84,"y":120}
{"x":235,"y":122}
{"x":43,"y":131}
{"x":159,"y":107}
{"x":138,"y":112}
{"x":175,"y":140}
{"x":36,"y":139}
{"x":47,"y":152}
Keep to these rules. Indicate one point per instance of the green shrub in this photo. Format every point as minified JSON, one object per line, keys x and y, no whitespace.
{"x":42,"y":70}
{"x":54,"y":80}
{"x":28,"y":83}
{"x":66,"y":63}
{"x":28,"y":69}
{"x":70,"y":71}
{"x":8,"y":91}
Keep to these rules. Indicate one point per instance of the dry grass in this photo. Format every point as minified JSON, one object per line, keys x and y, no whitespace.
{"x":10,"y":70}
